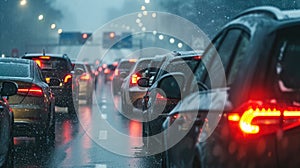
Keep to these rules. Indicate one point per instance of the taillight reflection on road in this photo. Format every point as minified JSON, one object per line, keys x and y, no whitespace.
{"x":135,"y":130}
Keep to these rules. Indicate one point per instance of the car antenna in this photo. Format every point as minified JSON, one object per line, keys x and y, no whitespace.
{"x":44,"y":52}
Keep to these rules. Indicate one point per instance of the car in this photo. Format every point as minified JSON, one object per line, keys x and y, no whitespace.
{"x":109,"y":71}
{"x":7,"y":89}
{"x":122,"y":71}
{"x":156,"y":102}
{"x":131,"y":93}
{"x":34,"y":103}
{"x":252,"y":119}
{"x":84,"y":77}
{"x":58,"y":72}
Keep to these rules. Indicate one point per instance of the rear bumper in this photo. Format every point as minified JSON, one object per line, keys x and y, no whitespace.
{"x":30,"y":120}
{"x":63,"y":96}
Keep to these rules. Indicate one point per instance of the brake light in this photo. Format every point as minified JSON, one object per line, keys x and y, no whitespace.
{"x":134,"y":79}
{"x":132,"y":60}
{"x":85,"y":76}
{"x":38,"y":62}
{"x":45,"y":57}
{"x":116,"y":72}
{"x":198,"y":57}
{"x":173,"y":118}
{"x":257,"y":118}
{"x":106,"y":71}
{"x":67,"y":78}
{"x":115,"y":64}
{"x":33,"y":91}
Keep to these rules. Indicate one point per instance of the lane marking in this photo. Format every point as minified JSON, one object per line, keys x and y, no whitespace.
{"x":100,"y":166}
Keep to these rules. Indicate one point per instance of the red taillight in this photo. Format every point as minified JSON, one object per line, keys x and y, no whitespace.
{"x":38,"y":62}
{"x":132,"y":60}
{"x":134,"y":79}
{"x":198,"y":57}
{"x":258,"y":118}
{"x":33,"y":91}
{"x":173,"y":118}
{"x":115,"y":64}
{"x":117,"y":72}
{"x":104,"y":66}
{"x":85,"y":76}
{"x":106,"y":71}
{"x":45,"y":57}
{"x":67,"y":78}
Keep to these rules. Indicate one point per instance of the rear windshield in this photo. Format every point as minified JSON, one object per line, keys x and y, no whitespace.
{"x":14,"y":70}
{"x":126,"y":65}
{"x":58,"y":64}
{"x":80,"y":66}
{"x":142,"y":65}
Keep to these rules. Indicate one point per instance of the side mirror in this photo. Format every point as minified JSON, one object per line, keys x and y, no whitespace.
{"x":9,"y":89}
{"x":171,"y":84}
{"x":79,"y":71}
{"x":143,"y":82}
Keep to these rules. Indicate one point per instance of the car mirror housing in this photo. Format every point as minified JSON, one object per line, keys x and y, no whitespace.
{"x":143,"y":82}
{"x":9,"y":89}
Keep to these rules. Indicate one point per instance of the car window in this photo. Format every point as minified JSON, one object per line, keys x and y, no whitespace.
{"x":240,"y":53}
{"x":14,"y":70}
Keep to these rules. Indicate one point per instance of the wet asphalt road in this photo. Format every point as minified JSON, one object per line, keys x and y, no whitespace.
{"x":85,"y":140}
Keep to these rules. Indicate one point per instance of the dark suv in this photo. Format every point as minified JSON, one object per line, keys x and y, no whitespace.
{"x":58,"y":72}
{"x":250,"y":114}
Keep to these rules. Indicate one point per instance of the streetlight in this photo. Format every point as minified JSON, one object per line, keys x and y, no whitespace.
{"x":147,"y":1}
{"x":172,"y":40}
{"x":23,"y":2}
{"x":41,"y":17}
{"x":154,"y":15}
{"x":143,"y":8}
{"x":59,"y":31}
{"x":161,"y":37}
{"x":53,"y":26}
{"x":145,"y":13}
{"x":179,"y":45}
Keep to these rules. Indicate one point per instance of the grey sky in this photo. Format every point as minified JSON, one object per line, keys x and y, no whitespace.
{"x":85,"y":15}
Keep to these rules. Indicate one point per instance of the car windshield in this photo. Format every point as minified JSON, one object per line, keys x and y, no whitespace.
{"x":86,"y":111}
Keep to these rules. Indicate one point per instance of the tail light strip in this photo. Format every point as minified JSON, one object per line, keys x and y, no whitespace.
{"x":263,"y":119}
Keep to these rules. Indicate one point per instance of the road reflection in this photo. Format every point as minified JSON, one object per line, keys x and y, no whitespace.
{"x":28,"y":154}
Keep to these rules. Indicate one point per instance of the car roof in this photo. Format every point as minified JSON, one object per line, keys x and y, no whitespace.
{"x":15,"y":60}
{"x":272,"y":12}
{"x":46,"y":54}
